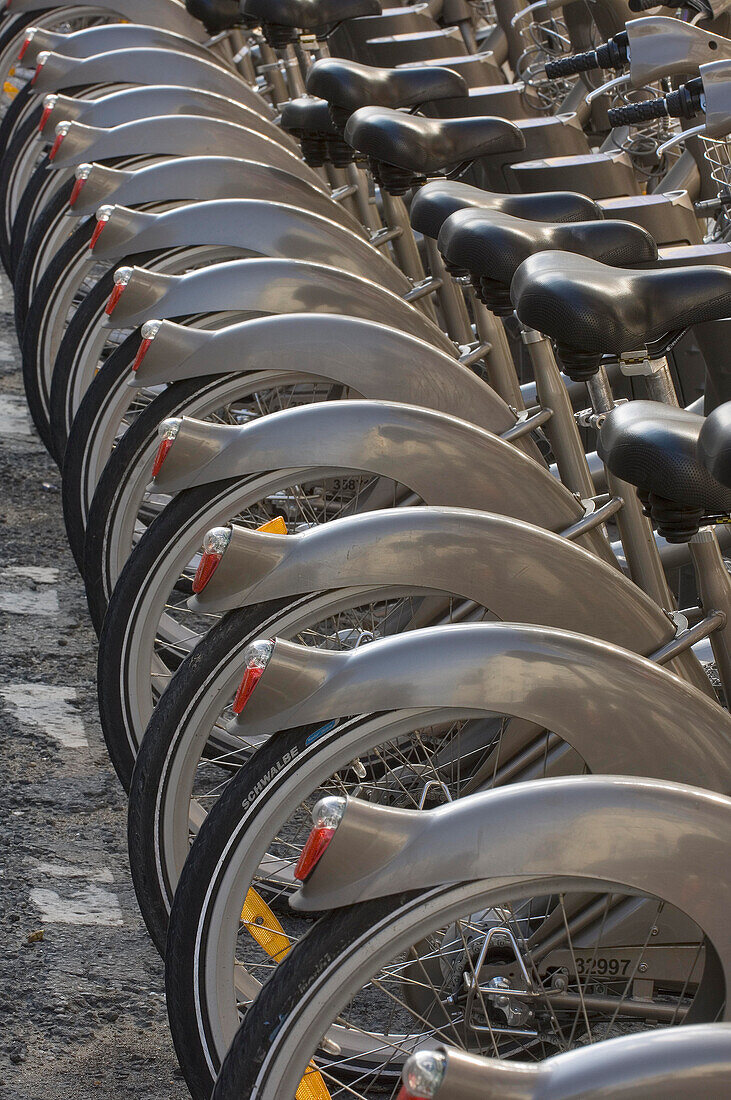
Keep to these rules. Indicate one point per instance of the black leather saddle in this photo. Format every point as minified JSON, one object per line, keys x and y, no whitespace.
{"x":714,"y":444}
{"x":419,"y":147}
{"x":215,"y":15}
{"x":308,"y":119}
{"x":654,"y":447}
{"x":589,"y":309}
{"x":437,"y":200}
{"x":348,"y":86}
{"x":491,"y":245}
{"x":306,"y":15}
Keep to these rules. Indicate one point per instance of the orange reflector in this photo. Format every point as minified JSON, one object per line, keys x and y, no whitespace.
{"x":264,"y":927}
{"x":275,"y":526}
{"x":10,"y":89}
{"x":312,"y":1086}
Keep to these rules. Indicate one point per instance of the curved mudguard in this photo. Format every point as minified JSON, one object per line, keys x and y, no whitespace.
{"x":442,"y":459}
{"x":277,"y":287}
{"x":661,"y":46}
{"x":622,"y":714}
{"x":202,"y":178}
{"x":148,"y":101}
{"x":157,"y":13}
{"x":522,"y":573}
{"x":685,"y":1063}
{"x":254,"y":226}
{"x":113,"y":36}
{"x":145,"y":66}
{"x":176,"y":135}
{"x":646,"y":835}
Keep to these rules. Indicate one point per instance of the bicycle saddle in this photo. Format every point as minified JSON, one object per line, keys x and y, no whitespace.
{"x":308,"y":15}
{"x":423,"y":146}
{"x":307,"y":115}
{"x":215,"y":15}
{"x":714,"y":444}
{"x":654,"y":447}
{"x":590,"y":309}
{"x":491,"y":245}
{"x":436,"y":201}
{"x":347,"y":85}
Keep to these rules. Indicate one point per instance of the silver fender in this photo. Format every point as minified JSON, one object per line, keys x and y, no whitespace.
{"x":276,"y":286}
{"x":444,"y":460}
{"x":175,"y":134}
{"x":623,"y":714}
{"x":685,"y":1063}
{"x":522,"y":573}
{"x":201,"y":178}
{"x":145,"y":66}
{"x":648,"y":836}
{"x":254,"y":226}
{"x":111,"y":36}
{"x":662,"y":46}
{"x":143,"y":102}
{"x":156,"y":13}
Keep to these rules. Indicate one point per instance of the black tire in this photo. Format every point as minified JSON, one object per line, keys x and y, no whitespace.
{"x":85,"y":319}
{"x":13,"y":114}
{"x":135,"y":575}
{"x":237,"y":801}
{"x":38,"y":182}
{"x":24,"y":137}
{"x":33,"y":373}
{"x":232,"y":634}
{"x":117,"y":365}
{"x":24,"y":265}
{"x":127,"y":452}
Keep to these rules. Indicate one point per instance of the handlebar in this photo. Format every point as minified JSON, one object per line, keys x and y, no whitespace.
{"x":684,"y":102}
{"x":614,"y":54}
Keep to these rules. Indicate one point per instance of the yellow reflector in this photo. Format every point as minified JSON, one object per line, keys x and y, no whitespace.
{"x":274,"y":527}
{"x":264,"y":927}
{"x":312,"y":1086}
{"x":12,"y":71}
{"x":12,"y":91}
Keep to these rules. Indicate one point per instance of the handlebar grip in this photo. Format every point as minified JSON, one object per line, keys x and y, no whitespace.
{"x":571,"y":66}
{"x":637,"y":112}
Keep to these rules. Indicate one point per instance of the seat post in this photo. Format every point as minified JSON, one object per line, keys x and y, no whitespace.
{"x":714,"y":586}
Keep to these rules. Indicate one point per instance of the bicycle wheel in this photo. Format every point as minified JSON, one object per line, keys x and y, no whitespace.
{"x":123,"y":506}
{"x":148,"y":630}
{"x":49,"y":233}
{"x":251,"y":840}
{"x":181,"y":753}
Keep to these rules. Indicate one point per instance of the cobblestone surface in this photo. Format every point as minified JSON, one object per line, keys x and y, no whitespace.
{"x":82,"y":1009}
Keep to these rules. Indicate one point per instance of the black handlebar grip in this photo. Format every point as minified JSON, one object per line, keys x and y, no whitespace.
{"x":571,"y":66}
{"x":637,"y":112}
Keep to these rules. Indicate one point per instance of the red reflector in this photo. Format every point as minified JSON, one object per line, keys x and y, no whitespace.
{"x":37,"y":73}
{"x":162,"y":453}
{"x":207,"y":566}
{"x":56,"y":146}
{"x":47,"y":111}
{"x":312,"y":852}
{"x":24,"y":48}
{"x":97,"y":233}
{"x":77,"y":188}
{"x":114,"y":297}
{"x":141,"y":353}
{"x":251,"y":678}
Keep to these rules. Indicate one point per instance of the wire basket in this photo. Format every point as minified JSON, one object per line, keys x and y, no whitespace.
{"x":543,"y":40}
{"x":641,"y":141}
{"x":717,"y":153}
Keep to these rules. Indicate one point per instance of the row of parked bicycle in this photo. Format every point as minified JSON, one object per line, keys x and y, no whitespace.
{"x":373,"y":346}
